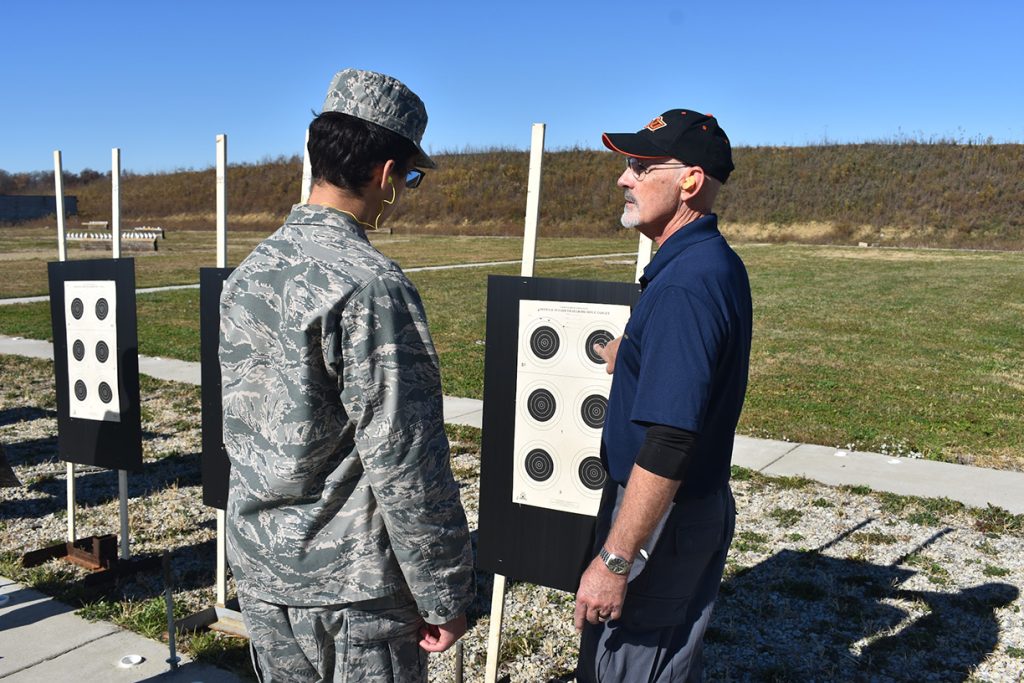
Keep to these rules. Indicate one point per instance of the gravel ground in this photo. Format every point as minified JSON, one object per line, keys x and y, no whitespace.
{"x":823,"y":583}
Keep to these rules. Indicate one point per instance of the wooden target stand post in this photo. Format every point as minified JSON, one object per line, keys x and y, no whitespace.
{"x":108,"y":433}
{"x":592,"y":297}
{"x":224,"y":616}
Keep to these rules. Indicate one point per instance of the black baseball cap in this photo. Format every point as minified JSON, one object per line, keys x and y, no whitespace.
{"x":692,"y":138}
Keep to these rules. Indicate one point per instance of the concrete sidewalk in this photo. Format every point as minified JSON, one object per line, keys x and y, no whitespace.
{"x":43,"y":640}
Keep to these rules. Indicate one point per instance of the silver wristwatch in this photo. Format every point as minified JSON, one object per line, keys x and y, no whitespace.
{"x":616,"y":565}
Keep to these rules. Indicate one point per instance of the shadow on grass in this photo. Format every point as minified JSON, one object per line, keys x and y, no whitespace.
{"x":95,"y":487}
{"x":24,"y":414}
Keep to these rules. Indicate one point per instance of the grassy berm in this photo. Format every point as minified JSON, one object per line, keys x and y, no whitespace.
{"x":949,"y":194}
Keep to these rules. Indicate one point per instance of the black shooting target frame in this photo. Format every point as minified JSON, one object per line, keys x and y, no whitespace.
{"x":524,"y":542}
{"x":214,"y":466}
{"x":113,"y":445}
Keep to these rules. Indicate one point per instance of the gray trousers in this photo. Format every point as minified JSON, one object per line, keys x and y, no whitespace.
{"x":376,"y":641}
{"x":659,"y":638}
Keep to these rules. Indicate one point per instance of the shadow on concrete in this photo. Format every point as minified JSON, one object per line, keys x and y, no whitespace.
{"x":28,"y":606}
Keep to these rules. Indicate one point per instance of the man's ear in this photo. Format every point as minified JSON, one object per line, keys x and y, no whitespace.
{"x":691,"y":182}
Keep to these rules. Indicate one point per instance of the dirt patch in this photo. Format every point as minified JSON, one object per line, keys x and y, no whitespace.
{"x":33,"y":255}
{"x":772,"y":232}
{"x":889,"y":254}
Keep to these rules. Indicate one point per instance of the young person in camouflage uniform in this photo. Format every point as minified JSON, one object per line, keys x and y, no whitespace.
{"x":346,"y":535}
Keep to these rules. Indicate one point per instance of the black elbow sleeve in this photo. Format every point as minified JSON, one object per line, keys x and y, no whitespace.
{"x":666,"y":451}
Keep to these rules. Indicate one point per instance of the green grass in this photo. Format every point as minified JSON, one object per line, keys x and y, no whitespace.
{"x":862,"y":348}
{"x":148,"y":617}
{"x":992,"y":570}
{"x":878,"y":350}
{"x":750,"y":541}
{"x":184,"y":252}
{"x":874,"y":538}
{"x":786,"y":517}
{"x":996,"y":520}
{"x":934,"y":571}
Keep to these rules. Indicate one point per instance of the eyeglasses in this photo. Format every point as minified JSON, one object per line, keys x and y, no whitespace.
{"x":640,"y":169}
{"x":413,"y":178}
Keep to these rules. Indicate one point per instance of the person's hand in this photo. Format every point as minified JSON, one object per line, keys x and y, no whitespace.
{"x":608,"y":352}
{"x":600,"y":595}
{"x":434,"y":638}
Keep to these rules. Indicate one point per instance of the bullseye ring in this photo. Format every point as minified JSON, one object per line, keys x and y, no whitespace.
{"x":539,"y":465}
{"x":593,"y":410}
{"x":592,"y":473}
{"x":541,"y":405}
{"x":544,"y":342}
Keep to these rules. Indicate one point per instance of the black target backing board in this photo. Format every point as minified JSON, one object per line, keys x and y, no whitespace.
{"x":548,"y":547}
{"x":99,"y":419}
{"x":215,"y":465}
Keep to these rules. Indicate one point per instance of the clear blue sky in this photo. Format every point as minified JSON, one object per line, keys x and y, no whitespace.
{"x":161,"y":80}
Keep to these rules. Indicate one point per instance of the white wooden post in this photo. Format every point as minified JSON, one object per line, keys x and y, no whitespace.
{"x":115,"y":202}
{"x":307,"y":172}
{"x":643,"y":254}
{"x":222,"y":262}
{"x":62,"y":255}
{"x":115,"y":250}
{"x":222,"y":200}
{"x":58,"y":195}
{"x":529,"y":258}
{"x":533,"y":199}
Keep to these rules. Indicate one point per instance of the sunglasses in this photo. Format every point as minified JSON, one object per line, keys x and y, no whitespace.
{"x":413,"y":178}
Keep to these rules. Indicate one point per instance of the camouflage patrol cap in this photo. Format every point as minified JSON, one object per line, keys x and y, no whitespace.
{"x":382,"y":100}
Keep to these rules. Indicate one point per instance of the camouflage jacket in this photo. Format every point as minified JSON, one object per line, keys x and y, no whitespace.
{"x":341,"y":488}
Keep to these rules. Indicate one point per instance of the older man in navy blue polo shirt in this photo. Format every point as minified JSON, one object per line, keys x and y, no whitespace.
{"x":680,"y":374}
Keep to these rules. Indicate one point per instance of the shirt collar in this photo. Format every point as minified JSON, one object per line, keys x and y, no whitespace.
{"x":690,"y":234}
{"x":317,"y":214}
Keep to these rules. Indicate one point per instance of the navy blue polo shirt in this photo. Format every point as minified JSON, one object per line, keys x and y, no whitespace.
{"x":684,"y":356}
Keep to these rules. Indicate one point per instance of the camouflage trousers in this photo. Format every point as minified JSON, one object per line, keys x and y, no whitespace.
{"x":376,"y":641}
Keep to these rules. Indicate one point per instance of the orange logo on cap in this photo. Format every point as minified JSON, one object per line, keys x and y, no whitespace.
{"x":656,"y":124}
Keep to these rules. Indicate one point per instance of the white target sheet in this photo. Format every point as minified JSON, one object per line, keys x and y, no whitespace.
{"x":90,"y":320}
{"x":561,"y":400}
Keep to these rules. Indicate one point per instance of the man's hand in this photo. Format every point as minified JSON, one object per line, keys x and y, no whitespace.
{"x":434,"y":638}
{"x":600,"y":595}
{"x":608,"y":352}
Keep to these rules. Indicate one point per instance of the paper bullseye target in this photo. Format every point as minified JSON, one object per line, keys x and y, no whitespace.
{"x":91,"y":325}
{"x":561,"y":399}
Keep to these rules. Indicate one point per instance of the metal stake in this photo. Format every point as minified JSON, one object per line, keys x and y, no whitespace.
{"x":169,"y":601}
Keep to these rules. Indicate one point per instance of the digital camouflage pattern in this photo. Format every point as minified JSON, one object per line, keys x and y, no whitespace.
{"x":383,"y":100}
{"x":378,"y":642}
{"x":341,"y":487}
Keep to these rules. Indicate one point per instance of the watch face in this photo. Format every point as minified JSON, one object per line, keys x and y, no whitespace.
{"x":617,"y":565}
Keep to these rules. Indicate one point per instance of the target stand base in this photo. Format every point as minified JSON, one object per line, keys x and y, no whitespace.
{"x":225,"y":619}
{"x":99,"y":554}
